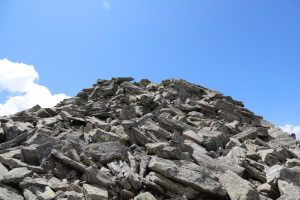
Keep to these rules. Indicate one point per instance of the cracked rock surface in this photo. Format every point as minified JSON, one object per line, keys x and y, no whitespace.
{"x":140,"y":140}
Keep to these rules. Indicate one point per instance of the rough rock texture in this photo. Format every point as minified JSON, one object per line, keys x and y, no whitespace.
{"x":141,"y":140}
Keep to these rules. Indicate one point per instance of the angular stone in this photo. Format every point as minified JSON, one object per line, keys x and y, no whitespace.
{"x":7,"y":193}
{"x":211,"y":140}
{"x":94,"y":176}
{"x":267,"y":189}
{"x":132,"y":178}
{"x":16,"y":175}
{"x":3,"y":170}
{"x":128,"y":112}
{"x":28,"y":195}
{"x":177,"y":188}
{"x":28,"y":182}
{"x":238,"y":188}
{"x":292,"y":163}
{"x":99,"y":109}
{"x":164,"y":150}
{"x":31,"y":155}
{"x":56,"y":184}
{"x":250,"y":133}
{"x":13,"y":129}
{"x":196,"y":147}
{"x":99,"y":135}
{"x":92,"y":192}
{"x":76,"y":165}
{"x":145,"y":196}
{"x":42,"y":113}
{"x":216,"y":167}
{"x":278,"y":172}
{"x":170,"y":124}
{"x":97,"y":150}
{"x":196,"y":180}
{"x":149,"y":185}
{"x":156,"y":130}
{"x":140,"y":137}
{"x":288,"y":190}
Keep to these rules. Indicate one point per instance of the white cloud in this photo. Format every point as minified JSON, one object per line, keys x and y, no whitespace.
{"x":291,"y":129}
{"x":106,"y":5}
{"x":19,"y":80}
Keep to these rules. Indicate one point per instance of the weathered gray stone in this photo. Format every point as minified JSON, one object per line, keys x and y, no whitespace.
{"x":94,"y":176}
{"x":97,"y":150}
{"x":16,"y":175}
{"x":250,"y":133}
{"x":211,"y":140}
{"x":92,"y":192}
{"x":196,"y":180}
{"x":28,"y":182}
{"x":31,"y":155}
{"x":145,"y":196}
{"x":76,"y":165}
{"x":56,"y":184}
{"x":99,"y":135}
{"x":170,"y":185}
{"x":8,"y":193}
{"x":42,"y":113}
{"x":216,"y":167}
{"x":280,"y":172}
{"x":267,"y":189}
{"x":288,"y":190}
{"x":128,"y":112}
{"x":3,"y":170}
{"x":238,"y":188}
{"x":292,"y":163}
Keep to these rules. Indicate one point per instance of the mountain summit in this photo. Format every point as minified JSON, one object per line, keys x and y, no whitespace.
{"x":141,"y":140}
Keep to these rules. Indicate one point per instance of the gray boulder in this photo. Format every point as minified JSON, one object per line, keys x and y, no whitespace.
{"x":238,"y":188}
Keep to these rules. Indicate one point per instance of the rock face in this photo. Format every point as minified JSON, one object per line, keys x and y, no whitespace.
{"x":143,"y":140}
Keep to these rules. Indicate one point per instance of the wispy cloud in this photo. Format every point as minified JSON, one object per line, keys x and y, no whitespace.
{"x":19,"y":80}
{"x":291,"y":129}
{"x":106,"y":5}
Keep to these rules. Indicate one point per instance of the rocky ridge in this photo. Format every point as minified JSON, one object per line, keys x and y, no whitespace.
{"x":146,"y":141}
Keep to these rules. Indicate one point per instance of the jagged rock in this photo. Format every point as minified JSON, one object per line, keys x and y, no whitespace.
{"x":94,"y":193}
{"x":145,"y":196}
{"x":169,"y":185}
{"x":16,"y":175}
{"x":99,"y":135}
{"x":28,"y":182}
{"x":238,"y":188}
{"x":80,"y":167}
{"x":267,"y":189}
{"x":3,"y":170}
{"x":211,"y":140}
{"x":196,"y":180}
{"x":292,"y":163}
{"x":7,"y":192}
{"x":94,"y":176}
{"x":280,"y":172}
{"x":217,"y":167}
{"x":250,"y":133}
{"x":123,"y":140}
{"x":288,"y":190}
{"x":56,"y":184}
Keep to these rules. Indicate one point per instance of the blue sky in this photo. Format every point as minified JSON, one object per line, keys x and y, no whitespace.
{"x":249,"y":50}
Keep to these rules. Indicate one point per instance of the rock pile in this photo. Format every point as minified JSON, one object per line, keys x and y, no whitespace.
{"x":146,"y":141}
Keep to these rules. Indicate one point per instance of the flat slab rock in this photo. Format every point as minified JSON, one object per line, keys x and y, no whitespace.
{"x":194,"y":179}
{"x":145,"y":196}
{"x":238,"y":188}
{"x":9,"y":193}
{"x":92,"y":192}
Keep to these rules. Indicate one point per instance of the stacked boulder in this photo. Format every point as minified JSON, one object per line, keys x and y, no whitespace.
{"x":146,"y":141}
